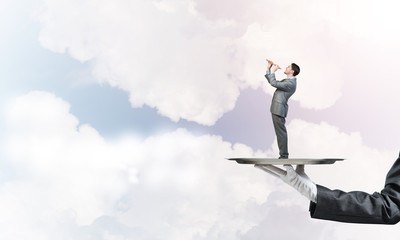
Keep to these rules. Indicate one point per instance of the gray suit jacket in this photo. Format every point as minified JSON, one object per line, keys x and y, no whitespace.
{"x":361,"y":207}
{"x":284,"y":90}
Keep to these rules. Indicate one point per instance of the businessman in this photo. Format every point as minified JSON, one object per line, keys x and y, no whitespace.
{"x":337,"y":205}
{"x":279,"y":105}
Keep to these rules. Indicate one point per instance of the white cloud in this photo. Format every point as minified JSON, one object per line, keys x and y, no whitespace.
{"x":67,"y":164}
{"x":161,"y":52}
{"x":66,"y":176}
{"x":189,"y":59}
{"x":68,"y":180}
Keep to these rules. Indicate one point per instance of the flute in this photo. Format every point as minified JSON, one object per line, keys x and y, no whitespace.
{"x":272,"y":63}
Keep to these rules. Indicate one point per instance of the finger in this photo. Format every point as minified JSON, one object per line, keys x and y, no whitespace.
{"x":300,"y":169}
{"x":266,"y":170}
{"x":276,"y":170}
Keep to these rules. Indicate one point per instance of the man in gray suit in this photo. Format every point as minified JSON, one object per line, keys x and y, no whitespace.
{"x":279,"y":105}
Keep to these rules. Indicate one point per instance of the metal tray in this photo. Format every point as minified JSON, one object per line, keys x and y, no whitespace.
{"x":294,"y":161}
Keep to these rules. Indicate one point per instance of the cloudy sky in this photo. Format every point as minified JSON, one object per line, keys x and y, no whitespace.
{"x":116,"y":116}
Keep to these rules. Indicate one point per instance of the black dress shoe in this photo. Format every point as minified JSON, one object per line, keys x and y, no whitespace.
{"x":283,"y":158}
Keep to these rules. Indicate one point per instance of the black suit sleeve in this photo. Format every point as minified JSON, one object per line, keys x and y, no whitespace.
{"x":361,"y":207}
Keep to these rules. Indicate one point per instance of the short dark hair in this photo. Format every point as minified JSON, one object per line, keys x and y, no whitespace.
{"x":296,"y":69}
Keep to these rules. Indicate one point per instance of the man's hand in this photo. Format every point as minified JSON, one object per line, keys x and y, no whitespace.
{"x":275,"y":68}
{"x":297,"y":179}
{"x":269,"y":65}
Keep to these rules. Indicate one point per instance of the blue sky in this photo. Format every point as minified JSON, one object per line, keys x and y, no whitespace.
{"x":117,"y":115}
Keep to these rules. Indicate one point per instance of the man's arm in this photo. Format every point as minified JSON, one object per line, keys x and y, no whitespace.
{"x":287,"y":86}
{"x":352,"y":207}
{"x":361,"y":207}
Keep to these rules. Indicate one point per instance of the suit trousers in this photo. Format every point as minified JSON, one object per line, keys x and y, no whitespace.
{"x":281,"y":135}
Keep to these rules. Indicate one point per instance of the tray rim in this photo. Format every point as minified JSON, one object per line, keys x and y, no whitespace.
{"x":295,"y":161}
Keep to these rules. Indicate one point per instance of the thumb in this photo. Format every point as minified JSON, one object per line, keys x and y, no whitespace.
{"x":288,"y":167}
{"x":290,"y":172}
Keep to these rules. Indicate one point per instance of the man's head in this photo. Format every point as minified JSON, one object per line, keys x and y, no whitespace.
{"x":292,"y":70}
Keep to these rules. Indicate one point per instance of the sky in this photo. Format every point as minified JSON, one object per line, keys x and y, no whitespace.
{"x":117,"y":116}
